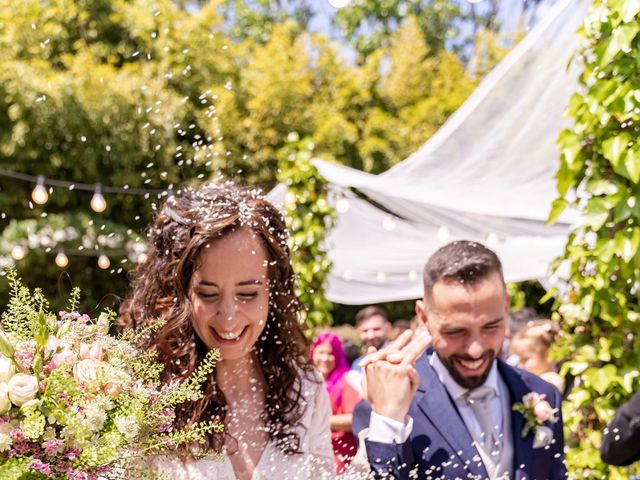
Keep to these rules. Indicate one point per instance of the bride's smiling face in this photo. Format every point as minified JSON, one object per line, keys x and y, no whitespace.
{"x":229,"y":293}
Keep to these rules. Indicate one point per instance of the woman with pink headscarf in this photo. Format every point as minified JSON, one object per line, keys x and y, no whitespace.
{"x":329,"y":358}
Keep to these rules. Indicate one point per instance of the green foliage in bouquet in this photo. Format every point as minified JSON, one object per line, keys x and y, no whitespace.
{"x":600,"y":165}
{"x":76,"y":402}
{"x":309,"y":217}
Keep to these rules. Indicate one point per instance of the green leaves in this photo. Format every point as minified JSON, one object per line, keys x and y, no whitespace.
{"x":620,"y":41}
{"x":615,"y":148}
{"x":600,"y":165}
{"x":309,"y":217}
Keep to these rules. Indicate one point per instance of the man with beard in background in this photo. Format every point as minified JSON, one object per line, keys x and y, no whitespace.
{"x":452,"y":411}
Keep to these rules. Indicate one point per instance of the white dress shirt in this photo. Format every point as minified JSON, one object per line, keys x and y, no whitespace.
{"x":386,"y":430}
{"x":457,"y":393}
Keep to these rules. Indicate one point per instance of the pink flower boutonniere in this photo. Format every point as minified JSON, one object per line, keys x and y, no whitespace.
{"x":536,"y":411}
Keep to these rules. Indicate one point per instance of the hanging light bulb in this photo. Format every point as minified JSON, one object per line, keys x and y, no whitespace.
{"x":39,"y":194}
{"x":103,"y":261}
{"x":61,"y":259}
{"x":18,"y":252}
{"x":343,"y":205}
{"x":443,"y":234}
{"x":389,"y":223}
{"x":98,"y":203}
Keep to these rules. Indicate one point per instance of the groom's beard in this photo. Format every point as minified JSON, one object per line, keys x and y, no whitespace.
{"x":469,"y":382}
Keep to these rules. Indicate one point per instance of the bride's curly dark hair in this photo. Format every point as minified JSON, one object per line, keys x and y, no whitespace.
{"x":160,"y":288}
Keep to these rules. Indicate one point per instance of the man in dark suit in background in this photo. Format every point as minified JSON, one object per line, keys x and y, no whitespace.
{"x":450,"y":414}
{"x":621,"y":439}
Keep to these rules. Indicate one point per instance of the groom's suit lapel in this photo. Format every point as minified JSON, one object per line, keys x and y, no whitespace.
{"x":522,"y":447}
{"x":439,"y":408}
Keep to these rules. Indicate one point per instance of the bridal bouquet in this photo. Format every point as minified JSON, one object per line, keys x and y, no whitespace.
{"x":78,"y":403}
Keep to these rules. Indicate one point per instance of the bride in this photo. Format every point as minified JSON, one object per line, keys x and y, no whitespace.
{"x":219,"y":272}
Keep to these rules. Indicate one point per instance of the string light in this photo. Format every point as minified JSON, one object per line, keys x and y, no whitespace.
{"x":98,"y":203}
{"x":125,"y":190}
{"x":103,"y":261}
{"x":343,"y":205}
{"x":18,"y":252}
{"x":61,"y":259}
{"x":492,"y":239}
{"x":39,"y":194}
{"x":443,"y":234}
{"x":389,"y":223}
{"x":290,"y":198}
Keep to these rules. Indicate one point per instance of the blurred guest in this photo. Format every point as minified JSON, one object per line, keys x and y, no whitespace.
{"x":415,"y":323}
{"x":532,"y":344}
{"x":621,"y":439}
{"x":329,"y":358}
{"x":517,"y":321}
{"x":374,"y":328}
{"x":352,"y":351}
{"x":397,"y":328}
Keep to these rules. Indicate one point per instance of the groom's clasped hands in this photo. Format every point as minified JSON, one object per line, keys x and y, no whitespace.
{"x":389,"y":377}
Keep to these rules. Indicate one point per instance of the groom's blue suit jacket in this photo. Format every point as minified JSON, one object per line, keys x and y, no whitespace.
{"x":440,"y":445}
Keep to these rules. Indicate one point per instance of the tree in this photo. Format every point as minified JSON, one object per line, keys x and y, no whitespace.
{"x":89,"y":94}
{"x":152,"y":95}
{"x":599,"y":174}
{"x":368,"y":24}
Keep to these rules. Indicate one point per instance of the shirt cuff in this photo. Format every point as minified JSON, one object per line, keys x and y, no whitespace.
{"x":387,"y":430}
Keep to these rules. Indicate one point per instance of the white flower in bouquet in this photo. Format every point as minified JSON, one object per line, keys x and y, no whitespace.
{"x":7,"y":369}
{"x":128,"y":426}
{"x":22,"y":388}
{"x":5,"y":403}
{"x":5,"y":437}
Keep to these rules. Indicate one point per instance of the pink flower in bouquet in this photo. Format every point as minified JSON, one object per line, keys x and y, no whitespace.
{"x":112,"y":389}
{"x":53,"y":447}
{"x":91,"y":351}
{"x":25,"y":351}
{"x":65,"y":357}
{"x":42,"y":467}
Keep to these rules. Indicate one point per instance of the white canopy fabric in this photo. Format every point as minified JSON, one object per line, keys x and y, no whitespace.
{"x":486,"y":175}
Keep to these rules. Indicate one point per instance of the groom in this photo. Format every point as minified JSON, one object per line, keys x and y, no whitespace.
{"x":449,"y":413}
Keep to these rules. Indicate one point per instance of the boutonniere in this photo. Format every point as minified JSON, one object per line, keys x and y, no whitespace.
{"x":536,"y":411}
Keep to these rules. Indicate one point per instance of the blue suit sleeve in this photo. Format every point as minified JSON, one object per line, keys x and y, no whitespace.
{"x":390,"y":460}
{"x":387,"y":460}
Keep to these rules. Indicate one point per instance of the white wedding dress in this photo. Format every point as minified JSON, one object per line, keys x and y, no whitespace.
{"x":314,"y":462}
